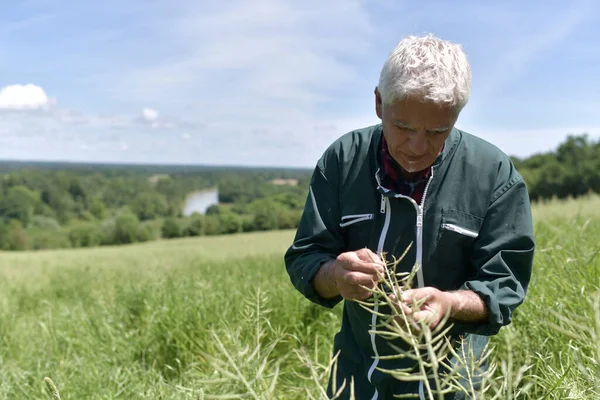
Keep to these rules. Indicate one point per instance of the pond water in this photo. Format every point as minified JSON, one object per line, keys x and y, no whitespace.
{"x":200,"y":201}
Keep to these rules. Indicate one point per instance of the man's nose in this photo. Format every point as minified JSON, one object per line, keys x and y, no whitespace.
{"x":417,"y":143}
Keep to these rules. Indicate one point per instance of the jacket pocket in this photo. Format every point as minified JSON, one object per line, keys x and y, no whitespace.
{"x":458,"y":227}
{"x":348,"y":220}
{"x":457,"y":234}
{"x":356,"y":229}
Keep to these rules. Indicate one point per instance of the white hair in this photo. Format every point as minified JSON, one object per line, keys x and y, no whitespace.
{"x":429,"y":67}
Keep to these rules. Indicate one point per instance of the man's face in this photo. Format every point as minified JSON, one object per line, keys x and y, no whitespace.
{"x":415,"y":131}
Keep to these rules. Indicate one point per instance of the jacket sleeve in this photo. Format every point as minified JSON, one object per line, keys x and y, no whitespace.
{"x":503,"y":255}
{"x":318,"y":238}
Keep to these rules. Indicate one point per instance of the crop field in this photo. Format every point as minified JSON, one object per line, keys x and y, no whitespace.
{"x":217,"y":317}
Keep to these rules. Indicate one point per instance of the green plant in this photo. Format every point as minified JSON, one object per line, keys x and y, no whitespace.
{"x":52,"y":389}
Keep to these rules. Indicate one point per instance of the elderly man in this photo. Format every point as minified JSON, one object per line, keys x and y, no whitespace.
{"x":414,"y":181}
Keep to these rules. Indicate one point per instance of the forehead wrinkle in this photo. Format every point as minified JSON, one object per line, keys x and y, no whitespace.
{"x":438,"y":128}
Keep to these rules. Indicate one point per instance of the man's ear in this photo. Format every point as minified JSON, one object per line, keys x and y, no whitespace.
{"x":378,"y":104}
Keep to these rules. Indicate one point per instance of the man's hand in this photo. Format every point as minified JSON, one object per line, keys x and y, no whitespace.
{"x":463,"y":305}
{"x":428,"y":305}
{"x":348,"y":273}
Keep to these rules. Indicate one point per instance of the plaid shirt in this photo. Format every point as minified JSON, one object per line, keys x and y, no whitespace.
{"x":393,"y":176}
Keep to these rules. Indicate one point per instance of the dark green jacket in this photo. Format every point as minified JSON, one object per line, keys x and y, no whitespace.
{"x":473,"y":231}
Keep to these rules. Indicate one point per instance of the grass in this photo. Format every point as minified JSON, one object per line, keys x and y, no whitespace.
{"x":217,"y":316}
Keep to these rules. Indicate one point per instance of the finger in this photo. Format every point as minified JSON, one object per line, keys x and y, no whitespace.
{"x":428,"y":317}
{"x":408,"y":324}
{"x":412,"y":295}
{"x":356,"y":261}
{"x":431,"y":320}
{"x":406,"y":309}
{"x":365,"y":267}
{"x":363,"y":295}
{"x":358,"y":278}
{"x":360,"y":294}
{"x":368,"y":255}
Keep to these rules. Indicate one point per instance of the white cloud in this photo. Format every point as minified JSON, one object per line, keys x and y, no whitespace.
{"x":151,"y":117}
{"x":24,"y":98}
{"x":124,"y":146}
{"x":186,"y":136}
{"x":150,"y":114}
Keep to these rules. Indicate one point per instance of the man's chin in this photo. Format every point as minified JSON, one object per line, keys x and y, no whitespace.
{"x":412,"y":168}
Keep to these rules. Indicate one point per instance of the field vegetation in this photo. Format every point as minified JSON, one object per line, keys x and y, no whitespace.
{"x":216,"y":317}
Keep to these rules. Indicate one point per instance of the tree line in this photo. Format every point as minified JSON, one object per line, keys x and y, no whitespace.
{"x":572,"y":170}
{"x":44,"y":207}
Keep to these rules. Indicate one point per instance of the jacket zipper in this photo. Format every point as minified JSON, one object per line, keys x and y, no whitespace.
{"x":420,"y":280}
{"x":385,"y":207}
{"x":420,"y":214}
{"x":420,"y":217}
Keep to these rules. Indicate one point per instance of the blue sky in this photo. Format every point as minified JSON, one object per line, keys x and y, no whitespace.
{"x":273,"y":82}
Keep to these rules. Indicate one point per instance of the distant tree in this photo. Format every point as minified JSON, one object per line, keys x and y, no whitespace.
{"x":3,"y":235}
{"x":108,"y":231}
{"x":229,"y":222}
{"x":265,"y":215}
{"x":58,"y":200}
{"x":148,"y":232}
{"x":213,"y":210}
{"x":167,"y":187}
{"x":248,"y":223}
{"x":45,"y":210}
{"x":171,"y":228}
{"x":97,"y":207}
{"x":76,"y":190}
{"x":149,"y":206}
{"x":85,"y":234}
{"x":288,"y":219}
{"x":121,"y":190}
{"x":571,"y":170}
{"x":195,"y":225}
{"x":44,"y":223}
{"x":290,"y":200}
{"x":126,"y":228}
{"x":240,"y":208}
{"x":14,"y":236}
{"x":211,"y":225}
{"x":19,"y":203}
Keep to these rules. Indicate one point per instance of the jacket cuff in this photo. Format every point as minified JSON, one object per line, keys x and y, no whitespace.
{"x":495,"y":320}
